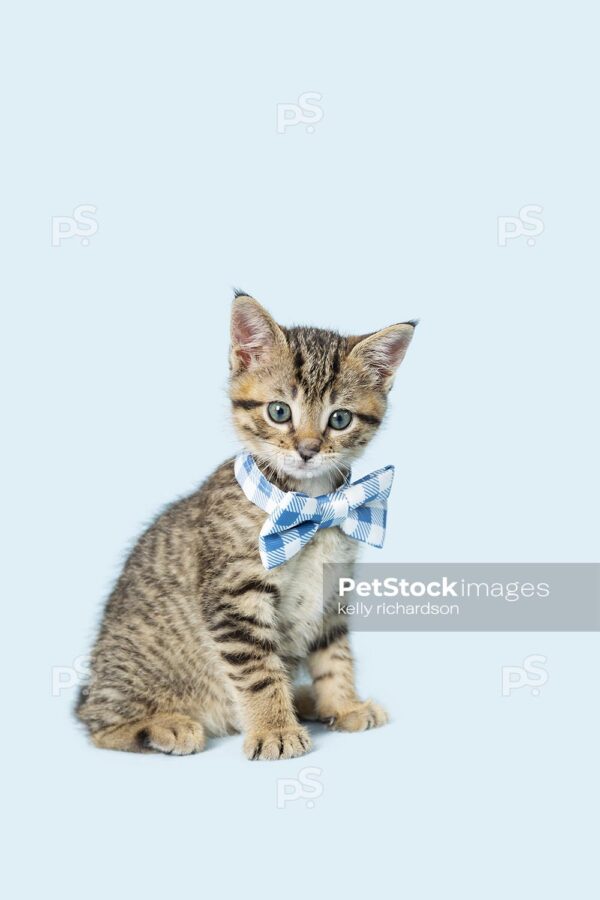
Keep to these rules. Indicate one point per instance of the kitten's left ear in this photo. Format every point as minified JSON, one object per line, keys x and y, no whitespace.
{"x":383,"y":351}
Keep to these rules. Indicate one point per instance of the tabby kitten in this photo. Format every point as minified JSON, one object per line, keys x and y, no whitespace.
{"x":197,"y":637}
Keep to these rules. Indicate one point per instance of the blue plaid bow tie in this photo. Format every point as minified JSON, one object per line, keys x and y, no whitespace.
{"x":359,"y":509}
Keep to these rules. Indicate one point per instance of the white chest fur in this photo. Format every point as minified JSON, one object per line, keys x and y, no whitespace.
{"x":300,"y":582}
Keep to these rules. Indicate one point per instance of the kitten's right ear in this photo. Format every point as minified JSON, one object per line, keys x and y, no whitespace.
{"x":254,"y":334}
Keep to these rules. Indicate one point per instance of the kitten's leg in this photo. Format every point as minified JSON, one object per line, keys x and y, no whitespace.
{"x":145,"y":691}
{"x":332,"y":670}
{"x":243,"y":629}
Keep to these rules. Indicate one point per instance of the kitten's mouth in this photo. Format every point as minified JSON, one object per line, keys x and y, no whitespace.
{"x":293,"y":466}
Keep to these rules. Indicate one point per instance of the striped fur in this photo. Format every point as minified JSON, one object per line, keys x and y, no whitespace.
{"x":197,"y":639}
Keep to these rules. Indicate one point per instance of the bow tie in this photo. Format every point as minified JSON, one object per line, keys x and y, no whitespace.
{"x":359,"y":509}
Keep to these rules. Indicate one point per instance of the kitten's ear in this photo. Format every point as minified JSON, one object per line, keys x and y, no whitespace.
{"x":254,"y":334}
{"x":383,"y":351}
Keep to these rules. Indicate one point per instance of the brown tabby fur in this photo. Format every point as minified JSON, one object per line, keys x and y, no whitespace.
{"x":197,"y":637}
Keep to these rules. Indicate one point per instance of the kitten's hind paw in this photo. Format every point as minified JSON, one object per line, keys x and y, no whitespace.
{"x":359,"y":717}
{"x":173,"y":734}
{"x":277,"y":744}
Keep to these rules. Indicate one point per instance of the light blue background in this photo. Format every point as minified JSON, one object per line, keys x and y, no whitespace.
{"x":438,"y":118}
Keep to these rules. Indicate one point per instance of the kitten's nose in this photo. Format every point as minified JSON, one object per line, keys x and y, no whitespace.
{"x":308,"y":447}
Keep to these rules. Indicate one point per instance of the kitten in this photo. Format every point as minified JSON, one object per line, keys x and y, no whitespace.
{"x":198,"y":638}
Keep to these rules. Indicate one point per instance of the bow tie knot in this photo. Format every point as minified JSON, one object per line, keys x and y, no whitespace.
{"x":294,"y":507}
{"x":293,"y":518}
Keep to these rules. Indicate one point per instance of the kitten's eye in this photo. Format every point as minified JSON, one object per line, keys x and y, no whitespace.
{"x":279,"y":412}
{"x":340,"y":418}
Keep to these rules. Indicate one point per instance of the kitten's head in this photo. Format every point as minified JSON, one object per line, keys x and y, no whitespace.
{"x":307,"y":401}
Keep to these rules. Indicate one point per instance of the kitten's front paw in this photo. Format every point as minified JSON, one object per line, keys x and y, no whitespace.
{"x":278,"y":744}
{"x":359,"y":717}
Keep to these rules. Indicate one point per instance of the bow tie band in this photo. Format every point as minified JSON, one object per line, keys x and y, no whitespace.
{"x":293,"y":518}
